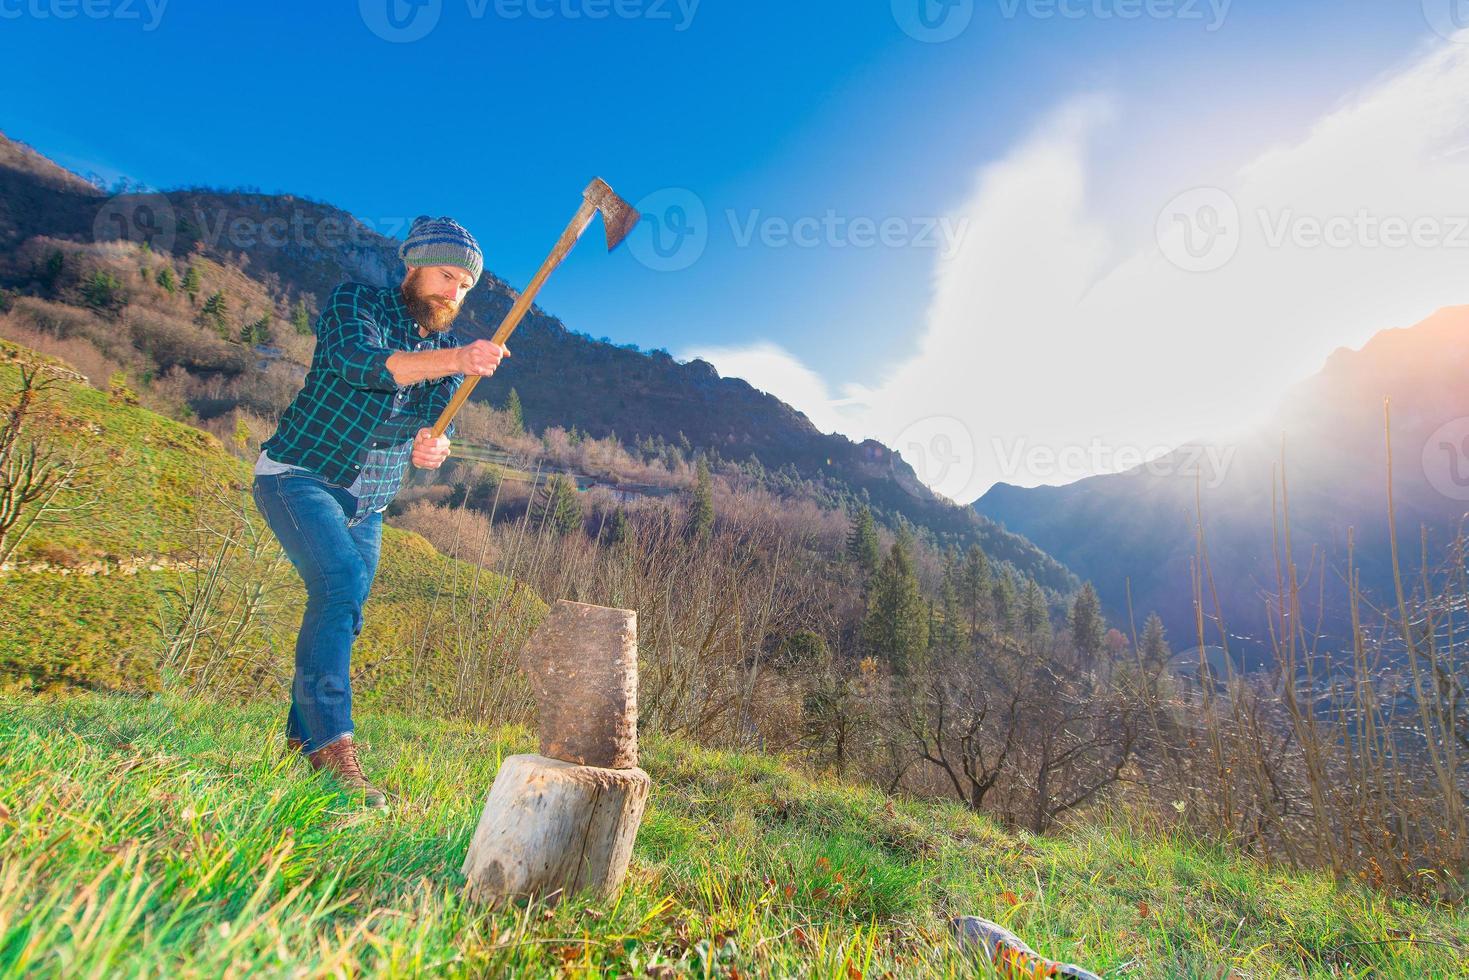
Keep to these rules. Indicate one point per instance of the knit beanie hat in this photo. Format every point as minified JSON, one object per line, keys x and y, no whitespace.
{"x":441,"y":241}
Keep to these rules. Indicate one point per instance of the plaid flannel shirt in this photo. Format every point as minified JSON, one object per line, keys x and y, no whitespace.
{"x":351,"y":422}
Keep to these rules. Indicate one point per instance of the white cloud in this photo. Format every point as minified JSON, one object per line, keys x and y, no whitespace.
{"x":1048,"y":330}
{"x":770,"y":368}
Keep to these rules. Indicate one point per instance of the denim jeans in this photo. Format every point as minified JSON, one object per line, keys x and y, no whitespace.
{"x":337,"y":561}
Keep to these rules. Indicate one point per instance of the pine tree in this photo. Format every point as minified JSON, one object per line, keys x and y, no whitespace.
{"x":301,"y":318}
{"x":974,"y":586}
{"x":50,"y":275}
{"x":1034,"y":617}
{"x":701,"y":511}
{"x":191,"y":283}
{"x":102,"y":290}
{"x":214,"y":311}
{"x":1087,"y":626}
{"x":1002,"y":599}
{"x":863,"y":548}
{"x":257,"y":331}
{"x":618,"y":529}
{"x":166,"y":280}
{"x":559,"y":504}
{"x":949,"y":639}
{"x":516,"y":413}
{"x":1155,"y":644}
{"x":896,"y":625}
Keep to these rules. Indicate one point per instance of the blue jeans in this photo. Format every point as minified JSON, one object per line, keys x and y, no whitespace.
{"x":337,"y":561}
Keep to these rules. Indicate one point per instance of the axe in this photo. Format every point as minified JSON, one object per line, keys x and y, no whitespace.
{"x":618,"y":218}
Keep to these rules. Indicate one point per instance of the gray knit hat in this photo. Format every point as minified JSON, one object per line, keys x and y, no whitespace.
{"x":441,"y":241}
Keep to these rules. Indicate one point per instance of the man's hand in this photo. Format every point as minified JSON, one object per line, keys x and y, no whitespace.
{"x":429,"y":452}
{"x":480,"y":357}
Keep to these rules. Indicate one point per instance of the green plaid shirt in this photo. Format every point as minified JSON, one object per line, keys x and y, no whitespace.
{"x":351,"y":422}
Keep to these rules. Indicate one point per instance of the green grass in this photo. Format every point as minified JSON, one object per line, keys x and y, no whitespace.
{"x":162,"y":836}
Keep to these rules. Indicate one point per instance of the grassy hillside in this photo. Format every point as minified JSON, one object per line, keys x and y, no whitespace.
{"x":93,"y":596}
{"x":165,"y":836}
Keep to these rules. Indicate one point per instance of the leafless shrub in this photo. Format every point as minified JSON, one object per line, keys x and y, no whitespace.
{"x":75,"y":349}
{"x":170,"y":340}
{"x":40,"y":482}
{"x":216,"y":619}
{"x":459,"y":532}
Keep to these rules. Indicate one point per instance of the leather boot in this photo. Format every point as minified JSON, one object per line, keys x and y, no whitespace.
{"x":340,"y":759}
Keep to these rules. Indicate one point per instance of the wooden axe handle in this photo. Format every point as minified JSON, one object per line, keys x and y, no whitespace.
{"x":579,"y":222}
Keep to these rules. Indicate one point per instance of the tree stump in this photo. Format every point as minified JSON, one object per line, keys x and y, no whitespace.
{"x":564,"y":821}
{"x":551,"y":828}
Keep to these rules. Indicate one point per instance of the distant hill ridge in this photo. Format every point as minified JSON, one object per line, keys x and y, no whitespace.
{"x":1140,"y":525}
{"x":300,"y":249}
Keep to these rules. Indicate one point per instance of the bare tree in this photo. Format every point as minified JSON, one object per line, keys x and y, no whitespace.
{"x":35,"y":473}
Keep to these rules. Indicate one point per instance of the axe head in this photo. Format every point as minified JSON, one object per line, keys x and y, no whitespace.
{"x":618,"y":217}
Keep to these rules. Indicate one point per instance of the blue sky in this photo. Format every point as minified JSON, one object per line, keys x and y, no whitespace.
{"x":761,"y":114}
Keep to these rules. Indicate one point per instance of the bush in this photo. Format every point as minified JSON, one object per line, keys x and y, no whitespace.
{"x":171,"y":341}
{"x":103,"y":291}
{"x":77,"y":351}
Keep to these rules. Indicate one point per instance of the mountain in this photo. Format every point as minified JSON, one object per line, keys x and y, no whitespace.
{"x":1140,"y":525}
{"x":297,"y":250}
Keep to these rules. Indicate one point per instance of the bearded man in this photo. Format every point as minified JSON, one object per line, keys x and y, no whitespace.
{"x":384,"y":367}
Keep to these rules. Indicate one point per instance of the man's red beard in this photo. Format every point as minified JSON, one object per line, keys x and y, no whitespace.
{"x":434,"y":313}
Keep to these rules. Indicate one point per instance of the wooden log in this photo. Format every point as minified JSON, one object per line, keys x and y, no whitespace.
{"x":582,"y":662}
{"x":551,"y":829}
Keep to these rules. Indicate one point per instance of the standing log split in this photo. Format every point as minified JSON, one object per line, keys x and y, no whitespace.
{"x":564,"y":821}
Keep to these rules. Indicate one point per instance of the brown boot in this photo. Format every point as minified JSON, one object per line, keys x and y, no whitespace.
{"x":340,"y":759}
{"x":294,"y":747}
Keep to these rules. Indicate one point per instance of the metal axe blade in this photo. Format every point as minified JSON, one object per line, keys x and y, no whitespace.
{"x":618,"y":217}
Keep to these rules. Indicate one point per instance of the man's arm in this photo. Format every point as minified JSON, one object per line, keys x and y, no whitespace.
{"x":480,"y":357}
{"x":351,"y":341}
